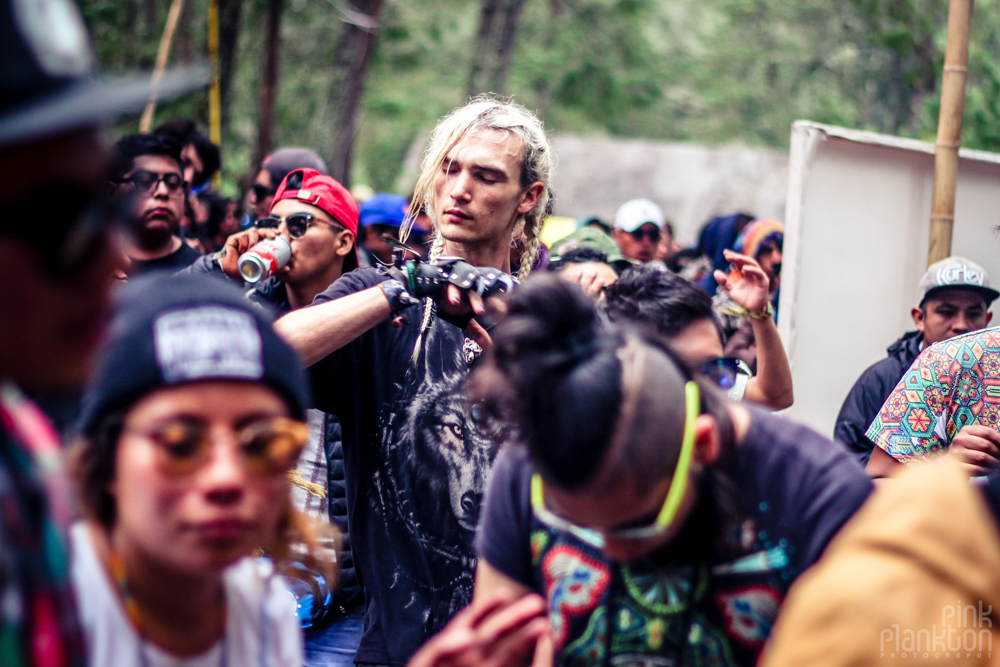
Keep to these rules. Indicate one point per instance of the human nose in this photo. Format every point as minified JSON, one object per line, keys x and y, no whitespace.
{"x":160,"y":189}
{"x":460,"y":187}
{"x":960,"y":324}
{"x":223,"y":477}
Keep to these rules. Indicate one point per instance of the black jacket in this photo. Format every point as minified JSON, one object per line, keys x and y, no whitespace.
{"x":870,"y":392}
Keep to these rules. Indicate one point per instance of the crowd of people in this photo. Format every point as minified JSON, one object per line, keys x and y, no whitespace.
{"x":413,"y":434}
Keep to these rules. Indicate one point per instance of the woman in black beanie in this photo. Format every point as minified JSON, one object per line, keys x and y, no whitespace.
{"x":190,"y":426}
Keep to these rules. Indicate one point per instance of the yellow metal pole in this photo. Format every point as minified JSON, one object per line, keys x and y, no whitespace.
{"x":214,"y":93}
{"x":162,"y":54}
{"x":956,"y":60}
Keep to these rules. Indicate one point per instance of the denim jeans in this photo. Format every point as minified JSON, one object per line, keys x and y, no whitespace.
{"x":335,"y":645}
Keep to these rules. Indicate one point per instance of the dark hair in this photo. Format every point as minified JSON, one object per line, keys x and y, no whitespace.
{"x":578,"y":256}
{"x":92,"y":464}
{"x":185,"y":131}
{"x":128,"y":148}
{"x":597,"y":401}
{"x":649,"y":296}
{"x":585,"y":396}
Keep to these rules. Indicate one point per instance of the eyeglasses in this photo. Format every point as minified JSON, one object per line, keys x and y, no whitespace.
{"x":721,"y":370}
{"x":147,"y":181}
{"x":297,"y":223}
{"x":652,"y":234}
{"x":268,"y":447}
{"x":262,"y":192}
{"x":668,"y":512}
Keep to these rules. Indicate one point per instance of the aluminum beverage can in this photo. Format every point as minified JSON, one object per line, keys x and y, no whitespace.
{"x":264,"y":259}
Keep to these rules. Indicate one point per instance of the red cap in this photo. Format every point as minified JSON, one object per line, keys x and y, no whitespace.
{"x":323,"y":192}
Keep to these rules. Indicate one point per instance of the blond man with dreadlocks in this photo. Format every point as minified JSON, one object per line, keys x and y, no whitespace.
{"x":390,"y":354}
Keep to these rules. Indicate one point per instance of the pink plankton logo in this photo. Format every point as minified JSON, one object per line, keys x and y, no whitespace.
{"x":965,"y":631}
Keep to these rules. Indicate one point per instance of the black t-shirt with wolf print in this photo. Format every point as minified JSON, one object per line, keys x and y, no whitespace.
{"x":702,"y":599}
{"x":415,"y":468}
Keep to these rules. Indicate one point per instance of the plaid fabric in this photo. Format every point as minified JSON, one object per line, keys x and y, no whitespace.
{"x":38,"y":624}
{"x":952,"y":384}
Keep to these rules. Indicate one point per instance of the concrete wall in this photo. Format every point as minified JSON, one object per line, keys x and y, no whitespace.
{"x":691,"y":183}
{"x":858,"y":219}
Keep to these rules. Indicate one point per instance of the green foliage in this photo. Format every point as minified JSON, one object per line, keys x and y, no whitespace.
{"x":711,"y":71}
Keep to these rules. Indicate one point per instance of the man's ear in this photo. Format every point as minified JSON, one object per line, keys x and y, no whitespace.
{"x":989,"y":316}
{"x":707,"y":441}
{"x":345,"y":243}
{"x":530,"y":197}
{"x":918,"y":318}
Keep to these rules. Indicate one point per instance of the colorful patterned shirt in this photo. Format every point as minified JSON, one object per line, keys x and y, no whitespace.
{"x":952,"y":384}
{"x":38,"y":623}
{"x":703,"y":599}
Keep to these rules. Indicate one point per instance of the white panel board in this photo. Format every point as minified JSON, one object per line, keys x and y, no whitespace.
{"x":858,"y":212}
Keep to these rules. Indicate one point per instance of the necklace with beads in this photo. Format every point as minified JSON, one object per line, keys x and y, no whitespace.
{"x":134,"y":614}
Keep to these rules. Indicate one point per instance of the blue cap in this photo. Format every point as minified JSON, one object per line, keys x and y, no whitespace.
{"x":383,"y":209}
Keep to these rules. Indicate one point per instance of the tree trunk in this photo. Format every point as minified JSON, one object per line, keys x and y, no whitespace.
{"x":353,"y":55}
{"x":505,"y":48}
{"x":494,"y":48}
{"x":484,"y":48}
{"x":230,"y":12}
{"x":269,"y":81}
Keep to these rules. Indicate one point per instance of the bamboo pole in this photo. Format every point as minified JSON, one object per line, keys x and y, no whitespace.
{"x":162,"y":54}
{"x":956,"y":60}
{"x":214,"y":93}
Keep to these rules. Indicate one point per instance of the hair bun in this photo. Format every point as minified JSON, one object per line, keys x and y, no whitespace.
{"x":549,"y":321}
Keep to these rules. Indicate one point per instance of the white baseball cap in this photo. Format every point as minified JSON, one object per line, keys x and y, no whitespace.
{"x":634,"y":213}
{"x":956,"y":273}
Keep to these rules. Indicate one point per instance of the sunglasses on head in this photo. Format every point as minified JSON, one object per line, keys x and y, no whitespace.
{"x":267,"y":446}
{"x":297,"y":223}
{"x":147,"y":181}
{"x":671,"y":504}
{"x":652,"y":234}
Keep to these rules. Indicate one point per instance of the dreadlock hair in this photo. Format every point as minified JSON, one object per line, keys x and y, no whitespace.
{"x":488,"y":112}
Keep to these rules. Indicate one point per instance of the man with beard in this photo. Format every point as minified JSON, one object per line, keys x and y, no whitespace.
{"x":386,"y":354}
{"x":148,"y":169}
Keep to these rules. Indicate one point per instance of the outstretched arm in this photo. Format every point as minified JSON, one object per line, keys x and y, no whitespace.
{"x":772,"y":386}
{"x":318,"y":330}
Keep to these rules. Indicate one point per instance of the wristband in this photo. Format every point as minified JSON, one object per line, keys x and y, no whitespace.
{"x":767,"y":312}
{"x":399,"y":298}
{"x":737,"y":310}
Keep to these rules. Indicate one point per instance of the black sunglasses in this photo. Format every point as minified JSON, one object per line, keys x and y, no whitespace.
{"x":72,"y":231}
{"x":261,"y":192}
{"x":652,"y":234}
{"x":297,"y":223}
{"x":720,"y":370}
{"x":147,"y":181}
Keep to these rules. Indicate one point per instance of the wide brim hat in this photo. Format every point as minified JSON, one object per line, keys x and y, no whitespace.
{"x":48,"y":85}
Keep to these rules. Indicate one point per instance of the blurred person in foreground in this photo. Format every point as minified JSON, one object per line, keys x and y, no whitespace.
{"x":190,"y":427}
{"x":662,"y":522}
{"x":914,"y":578}
{"x":319,"y":218}
{"x":390,"y":360}
{"x":57,"y":258}
{"x":954,"y":298}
